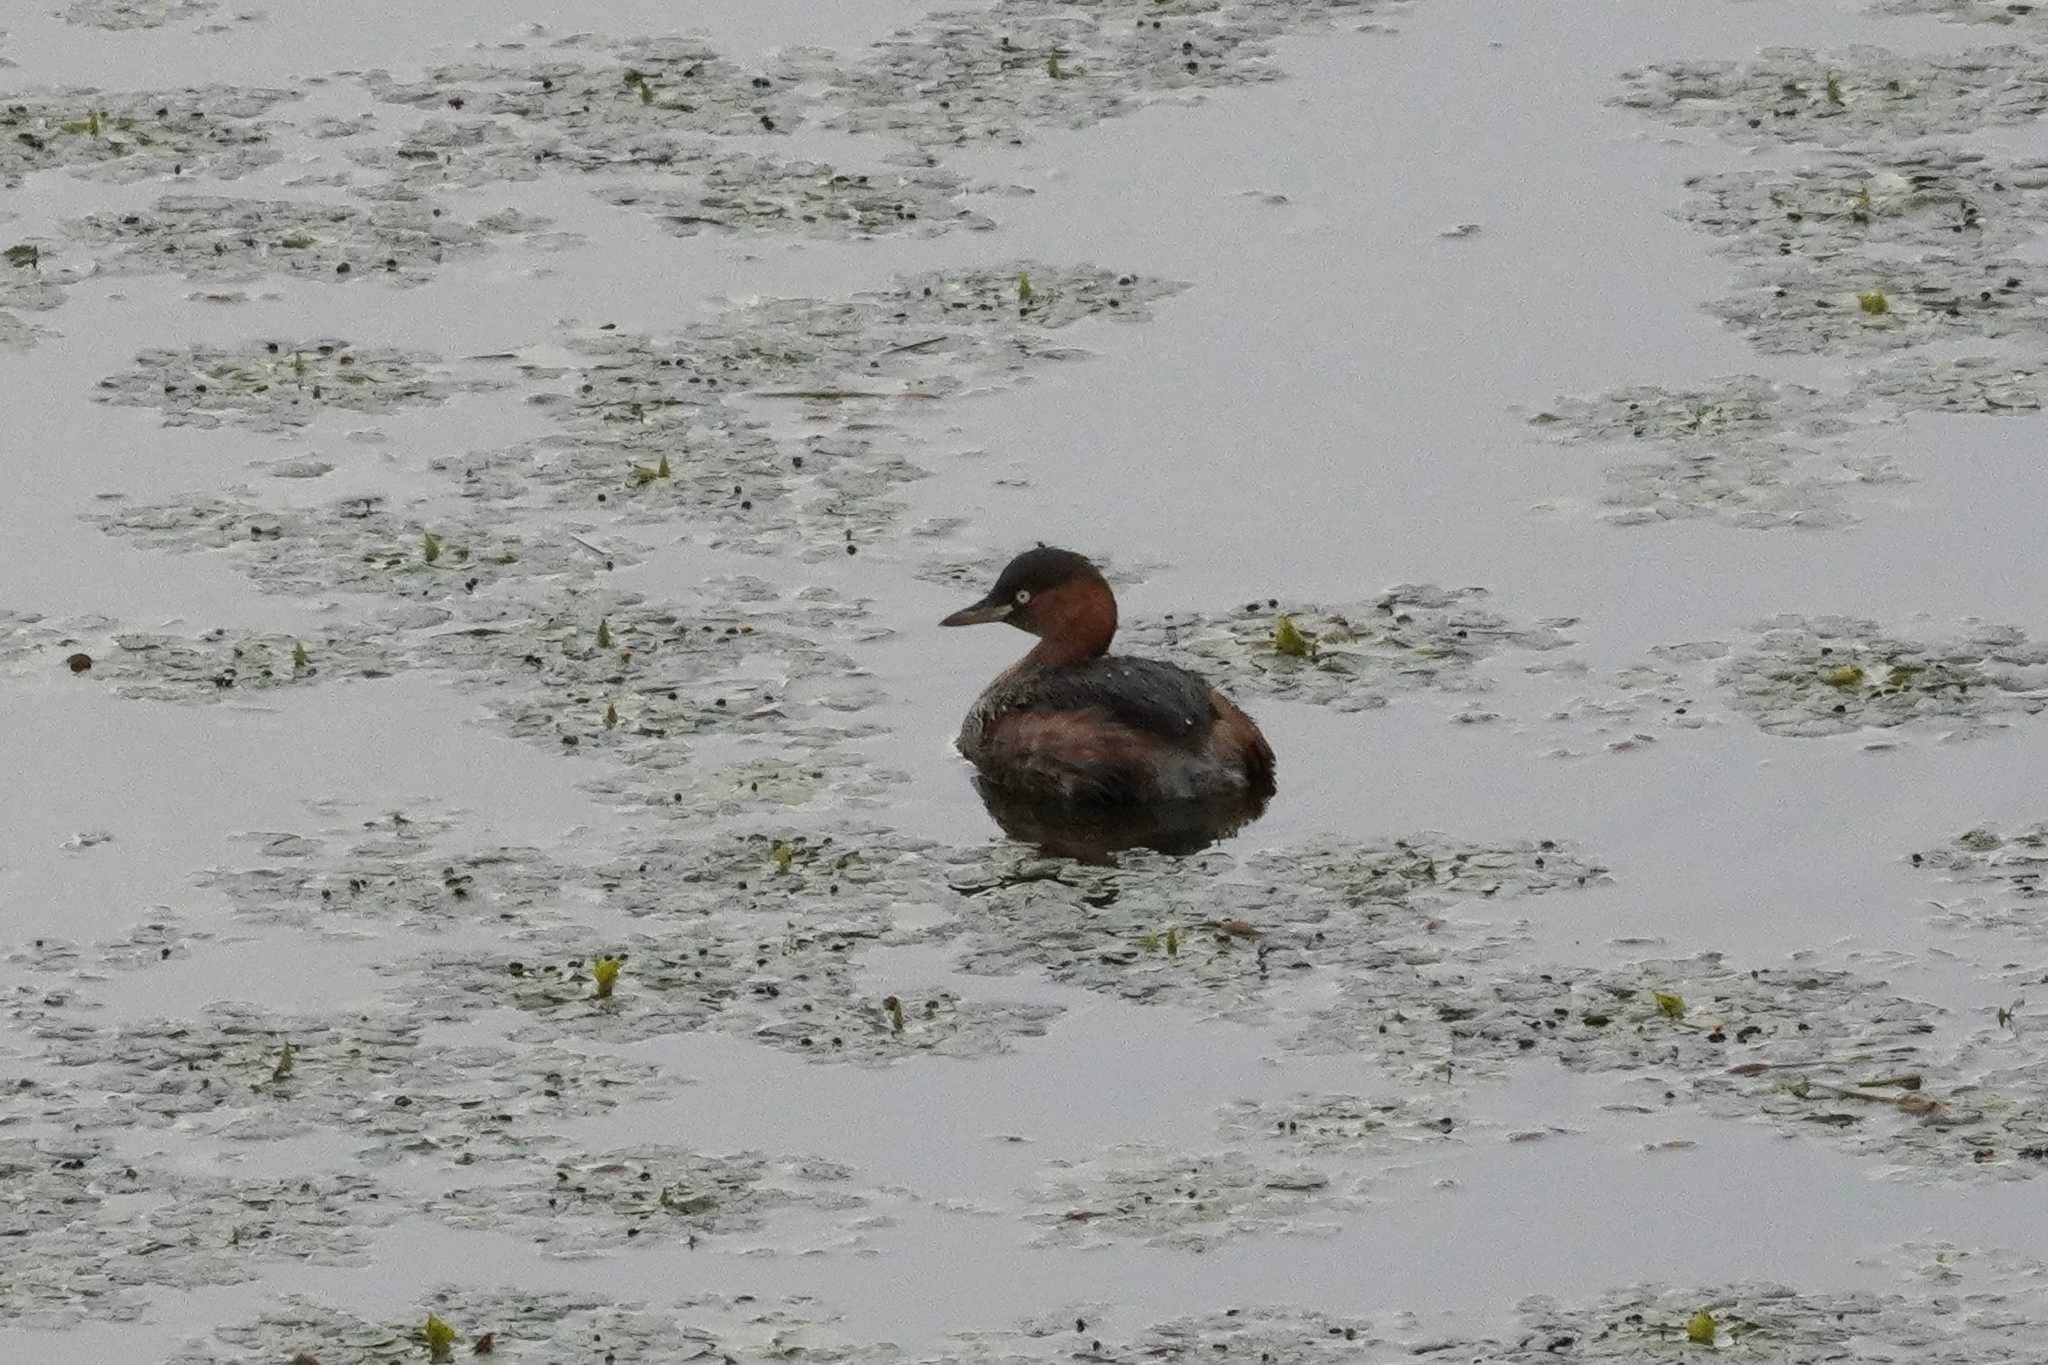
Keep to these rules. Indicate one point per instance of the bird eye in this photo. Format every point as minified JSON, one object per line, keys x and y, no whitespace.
{"x":1023,"y":596}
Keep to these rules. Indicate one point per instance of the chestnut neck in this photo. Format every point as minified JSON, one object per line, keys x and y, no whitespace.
{"x":1074,"y":622}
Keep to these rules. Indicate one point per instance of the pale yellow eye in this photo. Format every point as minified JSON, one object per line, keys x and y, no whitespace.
{"x":1023,"y":596}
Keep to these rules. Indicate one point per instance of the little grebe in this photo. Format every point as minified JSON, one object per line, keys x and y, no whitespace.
{"x":1073,"y":722}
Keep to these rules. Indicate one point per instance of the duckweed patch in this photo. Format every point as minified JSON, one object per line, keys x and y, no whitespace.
{"x":276,"y":385}
{"x":2020,"y":14}
{"x":1745,"y":451}
{"x":1348,"y":1126}
{"x":640,"y":1197}
{"x":1989,"y":386}
{"x":122,"y":15}
{"x":754,"y":194}
{"x":1784,"y":95}
{"x":367,"y":1076}
{"x":530,"y":1325}
{"x":216,"y":665}
{"x":1941,"y":199}
{"x":1818,"y":306}
{"x":1756,"y":1322}
{"x":2002,"y":875}
{"x":700,"y":400}
{"x":1832,"y":675}
{"x":1813,"y":1051}
{"x":970,"y":76}
{"x":1356,"y":655}
{"x":1868,"y":253}
{"x":1240,"y":931}
{"x":590,"y":102}
{"x":362,"y":545}
{"x":93,"y":1231}
{"x":402,"y":239}
{"x":395,"y":876}
{"x":791,"y":990}
{"x":1193,"y":1202}
{"x":214,"y":131}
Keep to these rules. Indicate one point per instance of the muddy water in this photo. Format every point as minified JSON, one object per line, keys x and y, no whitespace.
{"x":506,"y":860}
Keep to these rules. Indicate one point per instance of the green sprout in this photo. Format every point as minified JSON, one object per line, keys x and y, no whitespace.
{"x":661,"y":470}
{"x":1670,"y":1006}
{"x":1875,"y":303}
{"x":440,"y":1339}
{"x":645,"y":474}
{"x":1149,"y":942}
{"x":784,"y":855}
{"x":1834,"y":88}
{"x":1902,"y":675}
{"x":284,"y":1061}
{"x":611,"y":715}
{"x":24,"y":255}
{"x":1052,"y":68}
{"x":1288,"y":640}
{"x":1863,"y":198}
{"x":1848,"y":675}
{"x":1700,"y":1328}
{"x":1025,"y":293}
{"x":604,"y":973}
{"x":89,"y":125}
{"x":1172,"y":941}
{"x":299,"y":659}
{"x":298,"y":363}
{"x":604,"y":633}
{"x":636,"y":81}
{"x":430,"y":546}
{"x":895,"y":1008}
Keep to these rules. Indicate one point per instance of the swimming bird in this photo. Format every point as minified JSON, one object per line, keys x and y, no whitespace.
{"x":1072,"y":722}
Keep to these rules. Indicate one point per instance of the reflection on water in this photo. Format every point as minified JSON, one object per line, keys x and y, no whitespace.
{"x":1091,"y":832}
